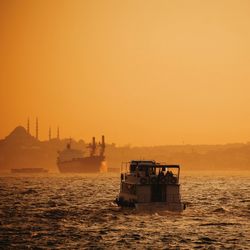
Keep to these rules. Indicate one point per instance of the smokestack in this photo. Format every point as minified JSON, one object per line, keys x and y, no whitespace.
{"x":37,"y":128}
{"x":93,"y":147}
{"x":28,"y":125}
{"x":103,"y":140}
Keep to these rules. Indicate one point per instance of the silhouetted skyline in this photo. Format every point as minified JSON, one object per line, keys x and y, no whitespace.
{"x":21,"y":149}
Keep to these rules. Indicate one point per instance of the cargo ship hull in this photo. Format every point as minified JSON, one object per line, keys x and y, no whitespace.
{"x":91,"y":164}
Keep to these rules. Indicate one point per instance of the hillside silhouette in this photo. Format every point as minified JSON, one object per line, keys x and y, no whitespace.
{"x":228,"y":157}
{"x":20,"y":150}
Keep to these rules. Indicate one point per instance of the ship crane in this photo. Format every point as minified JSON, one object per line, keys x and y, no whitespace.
{"x":102,"y":146}
{"x":92,"y":147}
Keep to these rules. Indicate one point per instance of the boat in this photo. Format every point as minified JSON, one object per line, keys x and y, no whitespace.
{"x":29,"y":171}
{"x":73,"y":160}
{"x":150,"y":185}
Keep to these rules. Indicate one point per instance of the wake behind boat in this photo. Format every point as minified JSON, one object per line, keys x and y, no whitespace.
{"x":73,"y":161}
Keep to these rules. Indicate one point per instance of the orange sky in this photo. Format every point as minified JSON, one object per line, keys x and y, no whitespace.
{"x":141,"y":72}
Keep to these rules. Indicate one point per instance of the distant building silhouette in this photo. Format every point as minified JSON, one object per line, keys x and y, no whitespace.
{"x":49,"y":133}
{"x":58,"y":134}
{"x":28,"y":125}
{"x":37,"y":128}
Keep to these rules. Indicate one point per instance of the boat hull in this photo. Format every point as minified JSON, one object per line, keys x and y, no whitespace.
{"x":91,"y":164}
{"x":144,"y":197}
{"x":170,"y":206}
{"x":151,"y":206}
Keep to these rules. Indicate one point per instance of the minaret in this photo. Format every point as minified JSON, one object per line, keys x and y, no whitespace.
{"x":37,"y":128}
{"x":28,"y":125}
{"x":49,"y":133}
{"x":58,"y":133}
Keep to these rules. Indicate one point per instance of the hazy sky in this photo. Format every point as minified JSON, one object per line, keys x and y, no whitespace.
{"x":141,"y":72}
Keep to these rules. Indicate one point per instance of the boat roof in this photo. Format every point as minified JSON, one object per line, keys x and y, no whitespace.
{"x":152,"y":164}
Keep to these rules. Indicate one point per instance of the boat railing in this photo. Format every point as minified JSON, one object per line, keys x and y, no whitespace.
{"x":125,"y":167}
{"x":150,"y":179}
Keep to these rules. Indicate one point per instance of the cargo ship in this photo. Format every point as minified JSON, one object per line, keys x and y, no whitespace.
{"x":73,"y":160}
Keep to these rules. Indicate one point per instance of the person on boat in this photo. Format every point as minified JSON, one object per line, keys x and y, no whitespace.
{"x":132,"y":168}
{"x":169,"y":174}
{"x":161,"y":174}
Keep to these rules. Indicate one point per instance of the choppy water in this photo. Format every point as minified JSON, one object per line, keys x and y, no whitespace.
{"x":76,"y":212}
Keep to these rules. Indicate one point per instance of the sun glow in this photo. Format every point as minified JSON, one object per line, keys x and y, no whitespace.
{"x":140,"y":72}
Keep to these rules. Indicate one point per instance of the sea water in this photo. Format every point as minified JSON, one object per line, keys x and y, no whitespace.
{"x":77,"y":212}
